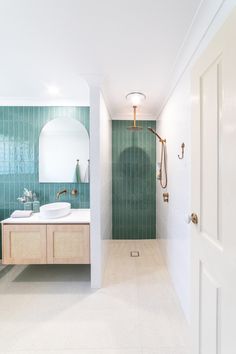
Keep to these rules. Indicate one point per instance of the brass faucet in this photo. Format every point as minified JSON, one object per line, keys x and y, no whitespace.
{"x":60,"y":193}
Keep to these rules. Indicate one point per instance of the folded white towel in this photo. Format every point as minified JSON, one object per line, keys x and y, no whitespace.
{"x":21,"y":214}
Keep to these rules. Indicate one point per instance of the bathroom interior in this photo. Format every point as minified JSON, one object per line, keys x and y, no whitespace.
{"x":95,"y":174}
{"x":71,"y":216}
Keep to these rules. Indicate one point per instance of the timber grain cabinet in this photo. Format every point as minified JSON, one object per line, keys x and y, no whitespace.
{"x":45,"y":244}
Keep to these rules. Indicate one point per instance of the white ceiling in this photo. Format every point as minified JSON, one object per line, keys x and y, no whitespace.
{"x":133,"y":45}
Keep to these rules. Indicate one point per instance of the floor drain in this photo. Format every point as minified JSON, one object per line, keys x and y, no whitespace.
{"x":134,"y":254}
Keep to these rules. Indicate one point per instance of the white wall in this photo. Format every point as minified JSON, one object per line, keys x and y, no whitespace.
{"x":100,"y":183}
{"x":172,"y":228}
{"x":174,"y":125}
{"x":106,"y":177}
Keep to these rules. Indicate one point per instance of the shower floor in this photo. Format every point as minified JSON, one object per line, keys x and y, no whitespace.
{"x":52,"y":309}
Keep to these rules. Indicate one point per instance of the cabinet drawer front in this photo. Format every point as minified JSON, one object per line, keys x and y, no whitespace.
{"x":24,"y":244}
{"x":68,"y":244}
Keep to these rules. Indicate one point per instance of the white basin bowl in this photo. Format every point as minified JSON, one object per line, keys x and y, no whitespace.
{"x":55,"y":210}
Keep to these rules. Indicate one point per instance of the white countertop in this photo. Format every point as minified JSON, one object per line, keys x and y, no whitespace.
{"x":76,"y":216}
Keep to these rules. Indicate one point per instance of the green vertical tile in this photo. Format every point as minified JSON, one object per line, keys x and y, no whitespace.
{"x":133,"y":181}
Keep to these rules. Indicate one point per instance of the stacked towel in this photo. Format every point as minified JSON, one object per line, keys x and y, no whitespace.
{"x":21,"y":214}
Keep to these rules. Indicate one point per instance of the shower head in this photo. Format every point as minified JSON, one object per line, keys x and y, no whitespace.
{"x":134,"y":128}
{"x":154,"y":132}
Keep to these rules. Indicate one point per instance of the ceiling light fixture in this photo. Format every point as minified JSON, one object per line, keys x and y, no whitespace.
{"x":136,"y":99}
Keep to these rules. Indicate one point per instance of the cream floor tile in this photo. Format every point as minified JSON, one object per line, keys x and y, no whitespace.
{"x":116,"y":297}
{"x":159,"y":329}
{"x":52,"y":309}
{"x":41,"y":336}
{"x":105,"y":329}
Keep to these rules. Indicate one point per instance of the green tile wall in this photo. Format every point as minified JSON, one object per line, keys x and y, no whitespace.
{"x":133,"y":181}
{"x":19,"y":143}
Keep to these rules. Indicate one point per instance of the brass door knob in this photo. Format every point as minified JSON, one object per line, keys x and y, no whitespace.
{"x":194,"y":218}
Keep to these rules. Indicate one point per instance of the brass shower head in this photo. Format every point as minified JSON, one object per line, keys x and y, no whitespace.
{"x":134,"y":128}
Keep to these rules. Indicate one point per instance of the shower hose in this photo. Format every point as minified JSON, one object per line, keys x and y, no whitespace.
{"x":163,"y":168}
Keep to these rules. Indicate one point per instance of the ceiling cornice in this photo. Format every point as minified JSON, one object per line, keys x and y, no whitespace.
{"x":140,"y":116}
{"x":207,"y":19}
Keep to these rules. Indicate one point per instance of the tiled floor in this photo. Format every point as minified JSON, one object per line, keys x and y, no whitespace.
{"x":51,"y":309}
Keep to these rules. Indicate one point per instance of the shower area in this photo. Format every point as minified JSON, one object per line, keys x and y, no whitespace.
{"x":133,"y":180}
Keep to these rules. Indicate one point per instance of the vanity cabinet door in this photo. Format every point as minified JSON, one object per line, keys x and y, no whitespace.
{"x":24,"y":244}
{"x":68,"y":244}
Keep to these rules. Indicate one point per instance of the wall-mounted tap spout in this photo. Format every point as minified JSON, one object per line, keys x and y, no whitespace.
{"x":60,"y":193}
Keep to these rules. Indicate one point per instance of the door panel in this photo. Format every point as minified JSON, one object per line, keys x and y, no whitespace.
{"x":209,"y":312}
{"x":214,"y":195}
{"x":68,"y":244}
{"x":24,"y":244}
{"x":210,"y":92}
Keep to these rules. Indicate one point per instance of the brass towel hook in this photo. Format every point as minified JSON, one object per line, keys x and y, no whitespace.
{"x":182,"y":152}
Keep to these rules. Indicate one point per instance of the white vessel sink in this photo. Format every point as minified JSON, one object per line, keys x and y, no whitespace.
{"x":55,"y":210}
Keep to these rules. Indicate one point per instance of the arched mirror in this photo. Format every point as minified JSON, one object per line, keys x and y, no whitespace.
{"x":64,"y":152}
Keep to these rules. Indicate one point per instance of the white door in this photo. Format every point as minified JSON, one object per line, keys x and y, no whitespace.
{"x":214,"y":195}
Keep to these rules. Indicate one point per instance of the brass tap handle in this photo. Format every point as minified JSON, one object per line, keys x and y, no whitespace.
{"x":166,"y":197}
{"x":74,"y":192}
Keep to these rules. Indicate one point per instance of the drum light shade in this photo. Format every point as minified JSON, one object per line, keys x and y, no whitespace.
{"x":135,"y":98}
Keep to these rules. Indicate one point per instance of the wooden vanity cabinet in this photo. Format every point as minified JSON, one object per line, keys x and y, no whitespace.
{"x":68,"y":244}
{"x":24,"y":244}
{"x":46,"y":244}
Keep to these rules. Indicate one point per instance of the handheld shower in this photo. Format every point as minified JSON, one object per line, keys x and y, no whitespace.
{"x":163,"y":167}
